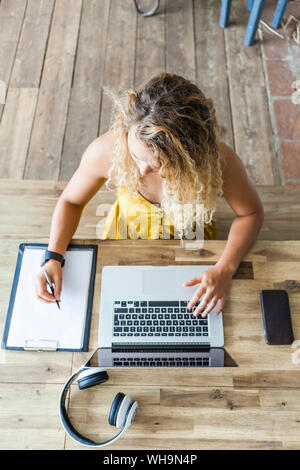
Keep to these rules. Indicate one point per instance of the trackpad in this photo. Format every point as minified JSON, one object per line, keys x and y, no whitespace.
{"x":159,"y":282}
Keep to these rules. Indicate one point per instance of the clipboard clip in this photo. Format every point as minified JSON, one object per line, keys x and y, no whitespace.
{"x":40,"y":345}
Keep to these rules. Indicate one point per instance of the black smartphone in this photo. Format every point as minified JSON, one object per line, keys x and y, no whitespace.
{"x":276,"y":316}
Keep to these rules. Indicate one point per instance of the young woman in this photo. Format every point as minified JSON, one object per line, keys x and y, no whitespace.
{"x":164,"y":154}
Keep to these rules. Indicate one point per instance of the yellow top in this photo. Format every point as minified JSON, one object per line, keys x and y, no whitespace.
{"x":134,"y":217}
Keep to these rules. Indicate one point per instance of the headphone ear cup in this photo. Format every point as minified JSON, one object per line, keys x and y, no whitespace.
{"x":115,"y":408}
{"x":123,"y":411}
{"x":92,"y":379}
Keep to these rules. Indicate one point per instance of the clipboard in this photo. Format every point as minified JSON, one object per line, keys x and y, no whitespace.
{"x":57,"y":326}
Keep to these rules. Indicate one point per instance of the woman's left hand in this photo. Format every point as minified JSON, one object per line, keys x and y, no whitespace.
{"x":215,"y":285}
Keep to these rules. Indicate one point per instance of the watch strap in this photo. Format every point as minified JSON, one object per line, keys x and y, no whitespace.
{"x":53,"y":255}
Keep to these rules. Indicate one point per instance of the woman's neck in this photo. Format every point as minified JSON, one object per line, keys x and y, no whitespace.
{"x":151,"y":188}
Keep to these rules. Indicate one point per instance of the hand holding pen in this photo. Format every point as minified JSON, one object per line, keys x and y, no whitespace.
{"x":51,"y":285}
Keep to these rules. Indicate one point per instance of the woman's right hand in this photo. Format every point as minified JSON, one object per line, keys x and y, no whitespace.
{"x":54,"y":270}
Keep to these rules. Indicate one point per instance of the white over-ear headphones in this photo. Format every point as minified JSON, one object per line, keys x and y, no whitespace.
{"x":122,"y":412}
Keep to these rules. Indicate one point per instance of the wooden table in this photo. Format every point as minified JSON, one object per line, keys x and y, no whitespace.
{"x":254,"y":406}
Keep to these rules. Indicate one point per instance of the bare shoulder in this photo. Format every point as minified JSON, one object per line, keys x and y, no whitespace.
{"x":238,"y":189}
{"x":98,"y":155}
{"x":231,"y":163}
{"x":224,"y":153}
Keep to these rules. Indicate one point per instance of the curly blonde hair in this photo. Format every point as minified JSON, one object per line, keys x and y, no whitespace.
{"x":175,"y":120}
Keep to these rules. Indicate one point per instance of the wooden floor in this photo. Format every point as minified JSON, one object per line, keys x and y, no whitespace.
{"x":57,"y":57}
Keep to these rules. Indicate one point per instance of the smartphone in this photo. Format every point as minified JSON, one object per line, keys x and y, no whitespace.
{"x":276,"y":316}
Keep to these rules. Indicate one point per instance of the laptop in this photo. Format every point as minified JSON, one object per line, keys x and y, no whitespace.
{"x":144,"y":319}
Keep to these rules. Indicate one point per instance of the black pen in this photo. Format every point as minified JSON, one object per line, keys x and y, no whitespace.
{"x":50,"y":284}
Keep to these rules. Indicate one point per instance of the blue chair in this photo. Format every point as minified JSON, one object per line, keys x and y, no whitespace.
{"x":256,"y":8}
{"x":279,"y":12}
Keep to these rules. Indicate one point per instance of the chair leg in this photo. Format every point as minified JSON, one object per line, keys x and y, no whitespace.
{"x":279,"y":12}
{"x":146,"y":13}
{"x":225,"y":13}
{"x":253,"y":21}
{"x":250,"y":5}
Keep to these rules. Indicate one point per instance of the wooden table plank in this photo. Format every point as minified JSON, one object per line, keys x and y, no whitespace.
{"x":254,"y":406}
{"x":26,"y":208}
{"x":276,"y":270}
{"x":247,"y":424}
{"x":164,"y":416}
{"x":286,"y":379}
{"x":29,"y":418}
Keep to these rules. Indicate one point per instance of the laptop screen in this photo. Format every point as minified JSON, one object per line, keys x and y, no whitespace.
{"x":169,"y":357}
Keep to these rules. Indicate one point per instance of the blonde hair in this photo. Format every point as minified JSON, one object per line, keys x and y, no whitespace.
{"x":175,"y":120}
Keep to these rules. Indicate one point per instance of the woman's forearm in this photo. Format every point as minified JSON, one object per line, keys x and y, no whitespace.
{"x":65,"y":220}
{"x":243,"y":233}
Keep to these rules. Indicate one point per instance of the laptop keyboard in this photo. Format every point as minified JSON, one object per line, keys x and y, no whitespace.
{"x":157,"y":318}
{"x":161,"y":362}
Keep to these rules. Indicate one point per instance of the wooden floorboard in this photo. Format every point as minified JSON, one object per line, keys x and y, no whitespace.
{"x":29,"y":59}
{"x":23,"y":91}
{"x":120,"y":55}
{"x":150,"y":60}
{"x":86,"y":92}
{"x":15,"y":131}
{"x":11,"y":20}
{"x":69,"y":51}
{"x":44,"y":156}
{"x":180,"y":39}
{"x":211,"y":65}
{"x":251,"y":120}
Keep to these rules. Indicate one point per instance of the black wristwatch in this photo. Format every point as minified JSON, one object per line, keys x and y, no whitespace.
{"x":52,"y":255}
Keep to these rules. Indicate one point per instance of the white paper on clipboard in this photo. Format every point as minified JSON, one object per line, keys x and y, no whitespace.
{"x":34,"y":321}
